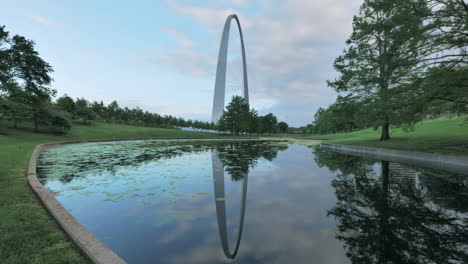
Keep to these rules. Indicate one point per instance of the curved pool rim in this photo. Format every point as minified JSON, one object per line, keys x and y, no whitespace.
{"x":86,"y":242}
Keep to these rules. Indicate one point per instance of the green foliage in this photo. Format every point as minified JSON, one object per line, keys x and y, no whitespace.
{"x":13,"y":111}
{"x":84,"y":111}
{"x":381,"y":62}
{"x":443,"y":135}
{"x":446,"y":90}
{"x":449,"y":38}
{"x":406,"y":61}
{"x":283,"y":127}
{"x":238,"y":118}
{"x":25,"y":95}
{"x":24,"y":80}
{"x":60,"y":119}
{"x":66,"y":103}
{"x":20,"y":62}
{"x":269,"y":123}
{"x":235,"y":117}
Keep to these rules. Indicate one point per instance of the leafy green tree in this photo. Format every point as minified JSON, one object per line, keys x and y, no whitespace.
{"x":13,"y":110}
{"x":449,"y":38}
{"x":24,"y":76}
{"x":84,"y":111}
{"x":283,"y":127}
{"x":447,"y":87}
{"x":235,"y":115}
{"x":99,"y":108}
{"x":19,"y":61}
{"x":60,"y":119}
{"x":66,"y":103}
{"x":269,"y":123}
{"x":382,"y":59}
{"x":250,"y":124}
{"x":41,"y":114}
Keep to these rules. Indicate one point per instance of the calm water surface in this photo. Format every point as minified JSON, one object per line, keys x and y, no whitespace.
{"x":258,"y":202}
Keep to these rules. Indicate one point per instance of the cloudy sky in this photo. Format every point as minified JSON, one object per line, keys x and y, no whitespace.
{"x":161,"y":55}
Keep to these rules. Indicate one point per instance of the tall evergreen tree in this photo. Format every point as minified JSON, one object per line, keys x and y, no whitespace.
{"x":235,"y":114}
{"x":382,"y":59}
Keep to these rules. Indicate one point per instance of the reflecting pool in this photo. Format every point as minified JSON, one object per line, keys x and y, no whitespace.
{"x":258,"y":202}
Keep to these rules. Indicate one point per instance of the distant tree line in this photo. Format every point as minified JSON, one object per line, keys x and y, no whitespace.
{"x":239,"y":118}
{"x":26,"y":96}
{"x":405,"y":60}
{"x":86,"y":112}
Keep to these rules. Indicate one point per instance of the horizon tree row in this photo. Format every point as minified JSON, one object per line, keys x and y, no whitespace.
{"x":86,"y":111}
{"x":238,"y":118}
{"x":26,"y":96}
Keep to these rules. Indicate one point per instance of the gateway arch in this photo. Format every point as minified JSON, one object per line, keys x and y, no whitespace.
{"x":220,"y":82}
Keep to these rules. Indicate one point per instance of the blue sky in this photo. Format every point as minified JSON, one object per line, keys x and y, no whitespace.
{"x":161,"y":55}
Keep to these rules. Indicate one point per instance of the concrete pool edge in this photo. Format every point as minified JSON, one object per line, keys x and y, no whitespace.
{"x":92,"y":248}
{"x":457,"y":164}
{"x":86,"y":242}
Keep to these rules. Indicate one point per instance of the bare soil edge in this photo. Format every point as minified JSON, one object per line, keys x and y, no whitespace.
{"x":92,"y":248}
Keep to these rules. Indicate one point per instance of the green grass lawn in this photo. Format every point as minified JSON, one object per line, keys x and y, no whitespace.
{"x":445,"y":136}
{"x":27,"y":233}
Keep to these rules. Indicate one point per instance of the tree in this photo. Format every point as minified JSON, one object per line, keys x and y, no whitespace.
{"x":84,"y":111}
{"x":250,"y":123}
{"x":41,"y":114}
{"x":13,"y":110}
{"x":269,"y":123}
{"x":67,"y":104}
{"x":449,"y":39}
{"x":448,"y":87}
{"x":60,"y":119}
{"x":382,"y":59}
{"x":283,"y":127}
{"x":446,"y":55}
{"x":24,"y":76}
{"x":235,"y":114}
{"x":19,"y":61}
{"x":99,"y":108}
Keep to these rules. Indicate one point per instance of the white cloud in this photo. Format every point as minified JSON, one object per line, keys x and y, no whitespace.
{"x":290,"y":49}
{"x":202,"y":14}
{"x":184,"y":56}
{"x":185,"y":41}
{"x":43,"y":20}
{"x":239,"y":2}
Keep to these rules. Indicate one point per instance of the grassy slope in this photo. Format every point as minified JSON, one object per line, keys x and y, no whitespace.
{"x":435,"y":136}
{"x":27,"y":233}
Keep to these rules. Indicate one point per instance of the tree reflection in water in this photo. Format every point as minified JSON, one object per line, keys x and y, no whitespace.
{"x":76,"y":161}
{"x":397,"y":215}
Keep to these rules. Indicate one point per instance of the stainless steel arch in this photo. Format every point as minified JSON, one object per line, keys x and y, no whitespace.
{"x":218,"y":182}
{"x":220,"y":82}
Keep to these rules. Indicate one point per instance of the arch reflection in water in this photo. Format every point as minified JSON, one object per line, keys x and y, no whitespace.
{"x":218,"y":183}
